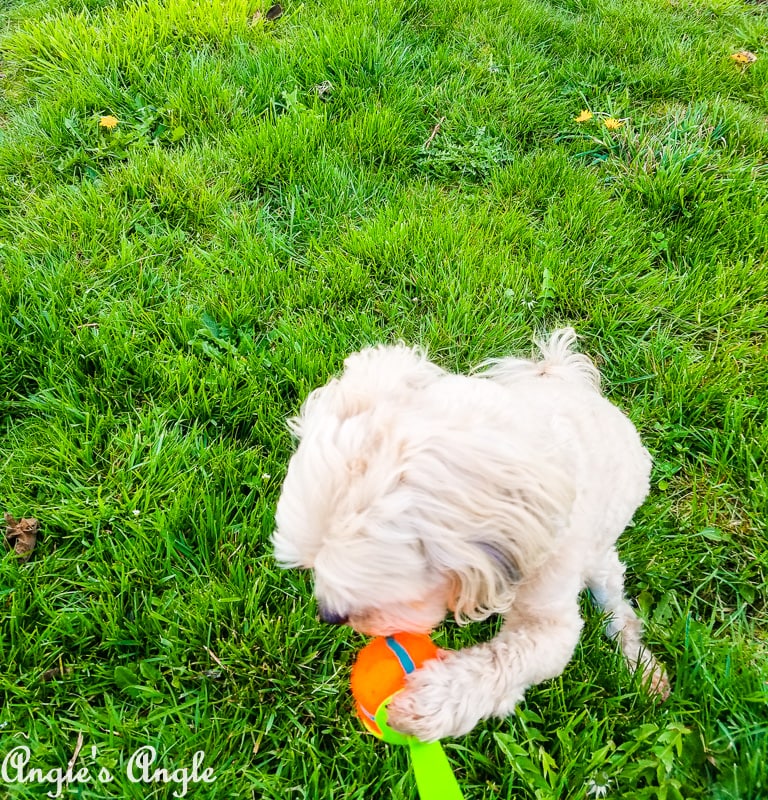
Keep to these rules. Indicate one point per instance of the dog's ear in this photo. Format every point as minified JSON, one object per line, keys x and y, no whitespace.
{"x":485,"y":578}
{"x":492,"y":526}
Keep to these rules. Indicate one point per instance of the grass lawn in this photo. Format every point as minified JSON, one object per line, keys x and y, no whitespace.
{"x":272,"y":194}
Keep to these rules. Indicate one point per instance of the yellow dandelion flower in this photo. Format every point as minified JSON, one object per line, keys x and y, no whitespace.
{"x":584,"y":116}
{"x":744,"y":57}
{"x":109,"y":122}
{"x":612,"y":123}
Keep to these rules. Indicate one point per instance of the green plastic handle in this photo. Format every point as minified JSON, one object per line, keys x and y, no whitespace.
{"x":434,"y":777}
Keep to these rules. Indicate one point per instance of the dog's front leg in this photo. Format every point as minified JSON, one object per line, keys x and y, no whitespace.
{"x":451,"y":694}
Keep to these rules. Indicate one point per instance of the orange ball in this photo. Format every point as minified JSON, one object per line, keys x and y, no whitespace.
{"x":381,"y":668}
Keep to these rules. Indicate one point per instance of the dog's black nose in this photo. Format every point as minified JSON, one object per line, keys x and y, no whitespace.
{"x":331,"y":617}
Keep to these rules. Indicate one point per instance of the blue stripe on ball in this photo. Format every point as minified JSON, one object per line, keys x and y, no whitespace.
{"x":401,"y":654}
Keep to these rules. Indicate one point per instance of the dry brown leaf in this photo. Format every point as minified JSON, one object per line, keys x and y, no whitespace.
{"x":21,"y":535}
{"x":55,"y":673}
{"x":275,"y":12}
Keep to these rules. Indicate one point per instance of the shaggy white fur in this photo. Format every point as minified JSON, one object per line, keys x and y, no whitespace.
{"x":414,"y":491}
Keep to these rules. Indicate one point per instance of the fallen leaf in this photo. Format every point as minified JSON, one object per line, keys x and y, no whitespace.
{"x":274,"y":13}
{"x":612,"y":123}
{"x":21,"y":535}
{"x":744,"y":57}
{"x":584,"y":116}
{"x":55,"y":673}
{"x":109,"y":122}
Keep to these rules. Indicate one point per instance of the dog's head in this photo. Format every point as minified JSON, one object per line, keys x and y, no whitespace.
{"x":407,"y":501}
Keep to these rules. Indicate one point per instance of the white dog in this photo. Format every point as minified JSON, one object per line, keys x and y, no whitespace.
{"x":415,"y":491}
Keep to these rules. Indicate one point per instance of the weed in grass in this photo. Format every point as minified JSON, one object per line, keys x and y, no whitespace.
{"x":474,"y":156}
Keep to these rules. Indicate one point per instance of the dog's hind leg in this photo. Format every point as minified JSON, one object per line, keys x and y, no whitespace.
{"x":606,"y":583}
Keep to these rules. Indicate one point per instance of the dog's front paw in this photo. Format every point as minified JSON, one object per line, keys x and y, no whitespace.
{"x":441,"y":699}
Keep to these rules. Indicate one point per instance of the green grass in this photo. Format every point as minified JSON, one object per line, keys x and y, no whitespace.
{"x":171,"y":290}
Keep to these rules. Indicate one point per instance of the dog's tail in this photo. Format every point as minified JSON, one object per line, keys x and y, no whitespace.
{"x":558,"y":360}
